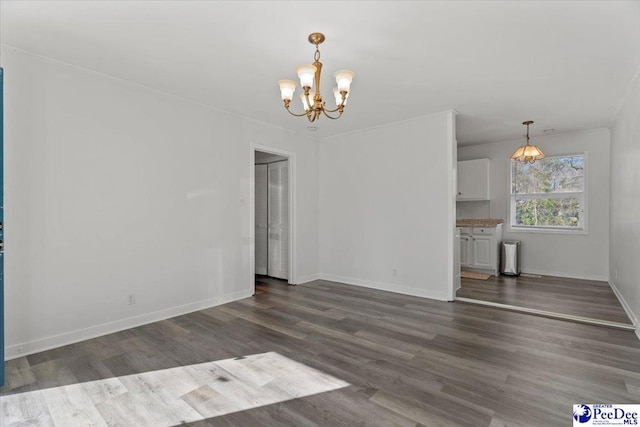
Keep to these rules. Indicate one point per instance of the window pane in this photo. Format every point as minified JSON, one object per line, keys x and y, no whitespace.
{"x":550,"y":175}
{"x":548,"y":212}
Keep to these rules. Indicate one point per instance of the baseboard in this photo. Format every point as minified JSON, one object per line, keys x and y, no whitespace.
{"x":565,"y":275}
{"x":55,"y":341}
{"x":307,"y":279}
{"x":625,"y":305}
{"x":389,"y":287}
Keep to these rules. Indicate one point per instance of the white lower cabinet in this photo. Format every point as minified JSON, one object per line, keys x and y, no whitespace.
{"x":482,"y":251}
{"x":480,"y":248}
{"x":464,"y":250}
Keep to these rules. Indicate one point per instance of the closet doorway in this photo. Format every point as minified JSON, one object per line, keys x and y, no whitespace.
{"x":272,"y":217}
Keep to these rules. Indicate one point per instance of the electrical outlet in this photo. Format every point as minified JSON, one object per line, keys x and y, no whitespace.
{"x":394,"y":272}
{"x":132,"y":299}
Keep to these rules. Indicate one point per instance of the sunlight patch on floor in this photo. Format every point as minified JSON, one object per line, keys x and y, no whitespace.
{"x":170,"y":396}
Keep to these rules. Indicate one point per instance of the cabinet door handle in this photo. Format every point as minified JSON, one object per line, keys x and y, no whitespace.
{"x":459,"y":193}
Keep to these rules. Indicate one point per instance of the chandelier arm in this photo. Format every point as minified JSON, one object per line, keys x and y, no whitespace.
{"x":294,"y":114}
{"x":332,"y":118}
{"x":340,"y":108}
{"x":311,"y":102}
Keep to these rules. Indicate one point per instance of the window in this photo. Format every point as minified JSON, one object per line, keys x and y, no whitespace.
{"x":549,"y":194}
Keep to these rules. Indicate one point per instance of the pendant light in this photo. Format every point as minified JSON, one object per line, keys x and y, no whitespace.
{"x":528,"y":153}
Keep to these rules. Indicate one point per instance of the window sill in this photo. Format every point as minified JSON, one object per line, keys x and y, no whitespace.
{"x":567,"y":231}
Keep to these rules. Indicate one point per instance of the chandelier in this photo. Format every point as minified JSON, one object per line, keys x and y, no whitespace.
{"x":312,"y":101}
{"x":528,"y":153}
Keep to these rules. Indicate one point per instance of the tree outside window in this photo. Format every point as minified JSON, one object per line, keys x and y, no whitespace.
{"x":548,"y":194}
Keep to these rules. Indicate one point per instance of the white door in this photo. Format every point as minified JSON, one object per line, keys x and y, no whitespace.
{"x":482,"y":249}
{"x":278,"y":264}
{"x":456,"y":261}
{"x":261,"y":218}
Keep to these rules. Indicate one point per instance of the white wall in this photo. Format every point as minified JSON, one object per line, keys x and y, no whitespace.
{"x":386,"y":202}
{"x":625,"y":202}
{"x":112,"y":189}
{"x":569,"y":255}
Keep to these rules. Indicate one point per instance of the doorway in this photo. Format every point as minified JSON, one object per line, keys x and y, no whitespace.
{"x":272,"y":218}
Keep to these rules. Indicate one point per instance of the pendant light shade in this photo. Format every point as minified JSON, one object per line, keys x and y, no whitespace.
{"x":527,"y":153}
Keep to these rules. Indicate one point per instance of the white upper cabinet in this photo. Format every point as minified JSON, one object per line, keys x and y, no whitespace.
{"x":473,"y":179}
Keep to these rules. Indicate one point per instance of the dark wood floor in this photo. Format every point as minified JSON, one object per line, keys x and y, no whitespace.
{"x":410,"y":361}
{"x":575,"y":297}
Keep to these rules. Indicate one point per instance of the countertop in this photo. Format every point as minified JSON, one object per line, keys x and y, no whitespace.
{"x":478,"y":222}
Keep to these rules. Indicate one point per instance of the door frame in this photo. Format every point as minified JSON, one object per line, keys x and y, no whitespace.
{"x":2,"y":322}
{"x":293,"y":249}
{"x":452,"y":185}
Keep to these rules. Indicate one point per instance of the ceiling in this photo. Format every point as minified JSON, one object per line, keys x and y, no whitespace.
{"x":564,"y":64}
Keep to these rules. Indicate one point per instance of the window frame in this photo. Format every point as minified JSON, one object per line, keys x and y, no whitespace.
{"x":582,"y":227}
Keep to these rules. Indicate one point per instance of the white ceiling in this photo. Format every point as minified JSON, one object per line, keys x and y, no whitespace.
{"x":564,"y":64}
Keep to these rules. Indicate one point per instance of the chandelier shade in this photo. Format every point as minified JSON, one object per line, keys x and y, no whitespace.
{"x":306,"y":74}
{"x":309,"y":74}
{"x":306,"y":104}
{"x":344,"y":79}
{"x":527,"y":153}
{"x":287,"y":87}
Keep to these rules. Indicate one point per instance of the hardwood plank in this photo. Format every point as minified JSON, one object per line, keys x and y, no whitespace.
{"x":575,"y":297}
{"x":409,"y":361}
